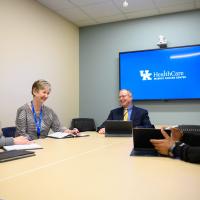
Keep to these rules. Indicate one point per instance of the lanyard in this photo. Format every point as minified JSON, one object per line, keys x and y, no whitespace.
{"x":36,"y":120}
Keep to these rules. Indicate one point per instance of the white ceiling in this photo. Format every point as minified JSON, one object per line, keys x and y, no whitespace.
{"x":91,"y":12}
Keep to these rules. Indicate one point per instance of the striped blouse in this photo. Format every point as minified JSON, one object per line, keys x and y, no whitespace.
{"x":25,"y":123}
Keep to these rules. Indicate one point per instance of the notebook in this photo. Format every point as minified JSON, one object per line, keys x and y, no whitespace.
{"x":61,"y":135}
{"x":141,"y":141}
{"x":118,"y":128}
{"x":15,"y":154}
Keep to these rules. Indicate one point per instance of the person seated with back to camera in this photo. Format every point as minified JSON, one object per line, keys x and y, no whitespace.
{"x":185,"y":146}
{"x":34,"y":119}
{"x":138,"y":116}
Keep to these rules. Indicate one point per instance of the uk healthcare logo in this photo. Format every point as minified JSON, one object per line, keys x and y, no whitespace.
{"x":163,"y":75}
{"x":145,"y":75}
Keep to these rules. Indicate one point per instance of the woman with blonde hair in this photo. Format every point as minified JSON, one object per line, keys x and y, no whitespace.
{"x":34,"y":119}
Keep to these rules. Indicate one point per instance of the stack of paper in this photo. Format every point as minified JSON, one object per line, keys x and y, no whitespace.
{"x":22,"y":146}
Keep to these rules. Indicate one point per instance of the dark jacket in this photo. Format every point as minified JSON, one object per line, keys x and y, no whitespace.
{"x":189,"y":148}
{"x":139,"y":117}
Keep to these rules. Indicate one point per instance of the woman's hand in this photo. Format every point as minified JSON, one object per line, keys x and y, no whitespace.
{"x":22,"y":140}
{"x":75,"y":131}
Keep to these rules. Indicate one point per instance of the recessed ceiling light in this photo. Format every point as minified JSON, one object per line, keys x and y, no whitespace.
{"x":125,"y":4}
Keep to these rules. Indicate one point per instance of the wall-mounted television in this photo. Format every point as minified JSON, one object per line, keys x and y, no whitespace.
{"x":161,"y":74}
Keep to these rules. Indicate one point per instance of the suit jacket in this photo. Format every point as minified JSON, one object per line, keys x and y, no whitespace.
{"x":139,"y":117}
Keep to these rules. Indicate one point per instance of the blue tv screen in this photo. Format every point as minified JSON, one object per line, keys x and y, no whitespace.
{"x":161,"y":74}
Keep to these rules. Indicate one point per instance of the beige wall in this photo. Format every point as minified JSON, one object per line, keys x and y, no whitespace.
{"x":36,"y":43}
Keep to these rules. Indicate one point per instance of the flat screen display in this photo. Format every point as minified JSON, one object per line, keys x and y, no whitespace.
{"x":161,"y":74}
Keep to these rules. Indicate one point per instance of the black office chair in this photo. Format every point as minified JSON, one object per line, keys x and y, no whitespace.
{"x":152,"y":126}
{"x":83,"y":124}
{"x":9,"y":131}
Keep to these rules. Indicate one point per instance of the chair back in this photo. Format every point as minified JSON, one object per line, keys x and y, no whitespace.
{"x":83,"y":124}
{"x":9,"y":131}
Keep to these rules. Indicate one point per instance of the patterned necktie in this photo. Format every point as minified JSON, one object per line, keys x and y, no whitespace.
{"x":125,"y":114}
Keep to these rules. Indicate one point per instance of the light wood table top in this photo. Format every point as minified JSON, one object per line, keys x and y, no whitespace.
{"x":97,"y":168}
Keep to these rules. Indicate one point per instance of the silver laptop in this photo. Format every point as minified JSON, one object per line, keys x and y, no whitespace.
{"x":118,"y":128}
{"x":141,"y":141}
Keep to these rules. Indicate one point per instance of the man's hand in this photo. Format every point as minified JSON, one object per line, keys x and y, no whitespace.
{"x":101,"y":131}
{"x":176,"y":134}
{"x":163,"y":145}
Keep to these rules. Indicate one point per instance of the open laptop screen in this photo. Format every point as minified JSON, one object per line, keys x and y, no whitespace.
{"x":142,"y":136}
{"x":141,"y":140}
{"x":118,"y":128}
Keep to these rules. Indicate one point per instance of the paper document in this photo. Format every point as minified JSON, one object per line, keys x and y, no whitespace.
{"x":22,"y":146}
{"x":60,"y":135}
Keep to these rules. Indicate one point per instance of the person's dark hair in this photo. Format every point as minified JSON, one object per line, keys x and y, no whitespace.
{"x":40,"y":85}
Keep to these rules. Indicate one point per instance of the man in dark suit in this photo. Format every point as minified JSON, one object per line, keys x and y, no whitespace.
{"x":185,"y":146}
{"x":138,"y":116}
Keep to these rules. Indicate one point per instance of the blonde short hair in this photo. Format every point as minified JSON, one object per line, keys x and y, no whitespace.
{"x":40,"y":85}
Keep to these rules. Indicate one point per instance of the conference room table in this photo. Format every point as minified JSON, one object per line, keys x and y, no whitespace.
{"x":97,"y":168}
